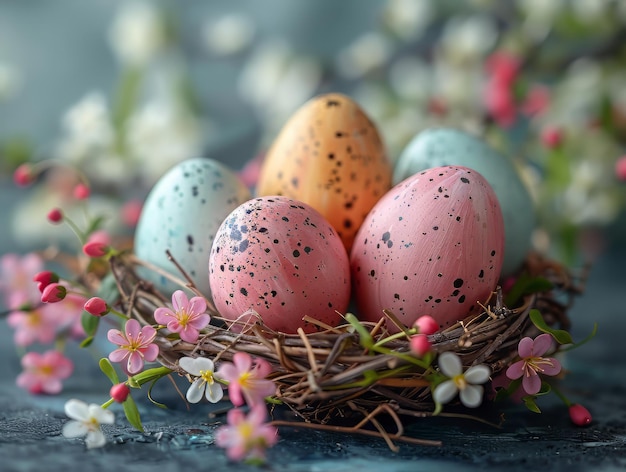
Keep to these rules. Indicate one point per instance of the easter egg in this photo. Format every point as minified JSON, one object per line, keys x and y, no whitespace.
{"x":433,"y":245}
{"x":282,"y":259}
{"x":181,"y":214}
{"x":441,"y":147}
{"x":330,"y":156}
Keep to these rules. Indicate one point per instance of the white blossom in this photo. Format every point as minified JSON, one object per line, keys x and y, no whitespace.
{"x":468,"y":38}
{"x":137,"y":34}
{"x":408,"y":18}
{"x":367,"y":53}
{"x":467,"y":384}
{"x":86,"y":420}
{"x":205,"y":383}
{"x":229,"y":34}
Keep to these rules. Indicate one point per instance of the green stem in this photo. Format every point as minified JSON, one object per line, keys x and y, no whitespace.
{"x":561,"y":396}
{"x":108,"y":403}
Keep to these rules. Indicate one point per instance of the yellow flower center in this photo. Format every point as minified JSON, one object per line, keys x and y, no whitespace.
{"x":244,"y":380}
{"x":207,"y":376}
{"x":536,"y":364}
{"x":459,"y":381}
{"x":183,"y":318}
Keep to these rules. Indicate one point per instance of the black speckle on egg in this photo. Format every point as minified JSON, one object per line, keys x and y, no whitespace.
{"x":190,"y":239}
{"x":481,"y":274}
{"x":284,"y":218}
{"x":435,"y":228}
{"x":372,"y":273}
{"x":461,"y":298}
{"x":458,"y":283}
{"x":493,"y":253}
{"x":307,"y":249}
{"x":243,"y":291}
{"x":296,"y":253}
{"x":465,"y":180}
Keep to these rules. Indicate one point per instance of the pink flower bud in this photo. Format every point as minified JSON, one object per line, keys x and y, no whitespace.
{"x":23,"y":175}
{"x":96,"y":306}
{"x":81,"y":192}
{"x":44,"y":279}
{"x":55,"y":215}
{"x":552,"y":137}
{"x":620,"y":168}
{"x":426,"y":325}
{"x":131,"y":211}
{"x":53,"y":293}
{"x":119,"y":392}
{"x":95,"y":249}
{"x":579,"y":414}
{"x":420,"y":345}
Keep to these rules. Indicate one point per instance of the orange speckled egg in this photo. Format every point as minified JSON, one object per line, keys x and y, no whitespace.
{"x":330,"y":156}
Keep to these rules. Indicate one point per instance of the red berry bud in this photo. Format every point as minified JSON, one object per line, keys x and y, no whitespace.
{"x":23,"y":175}
{"x":96,"y":306}
{"x":420,"y":345}
{"x":119,"y":392}
{"x":579,"y":414}
{"x":53,"y":293}
{"x":551,"y":137}
{"x":81,"y":192}
{"x":55,"y":215}
{"x":426,"y":325}
{"x":44,"y":279}
{"x":95,"y":249}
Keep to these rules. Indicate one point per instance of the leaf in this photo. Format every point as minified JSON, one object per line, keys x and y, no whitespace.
{"x":107,"y":368}
{"x":584,"y":341}
{"x":365,"y":338}
{"x":90,"y":323}
{"x":525,"y":285}
{"x":561,"y":336}
{"x":159,"y":404}
{"x":86,"y":342}
{"x":132,"y":413}
{"x":531,"y":404}
{"x":506,"y":392}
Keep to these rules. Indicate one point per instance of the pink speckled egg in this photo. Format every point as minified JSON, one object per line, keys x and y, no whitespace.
{"x":432,"y":245}
{"x":281,"y":258}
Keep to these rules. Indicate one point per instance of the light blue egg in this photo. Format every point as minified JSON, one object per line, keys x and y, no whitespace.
{"x":182,"y":214}
{"x":443,"y":146}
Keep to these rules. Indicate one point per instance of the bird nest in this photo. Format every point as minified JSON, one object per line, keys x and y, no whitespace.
{"x":357,"y":370}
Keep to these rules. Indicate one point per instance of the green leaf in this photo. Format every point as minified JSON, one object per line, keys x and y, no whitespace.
{"x":365,"y":338}
{"x":561,"y":336}
{"x":587,"y":339}
{"x":531,"y":404}
{"x":508,"y":391}
{"x":159,"y":404}
{"x":132,"y":413}
{"x":107,"y":368}
{"x":525,"y":285}
{"x":86,"y":342}
{"x":90,"y":323}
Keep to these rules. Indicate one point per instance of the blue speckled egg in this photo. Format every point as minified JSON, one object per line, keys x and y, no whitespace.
{"x":281,"y":258}
{"x":182,"y":213}
{"x":442,"y":147}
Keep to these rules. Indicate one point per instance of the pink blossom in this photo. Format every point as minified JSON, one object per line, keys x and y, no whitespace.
{"x":16,"y":279}
{"x":69,"y":313}
{"x":532,"y":363}
{"x":246,"y":437}
{"x":135,"y":346}
{"x":43,"y":373}
{"x":39,"y":324}
{"x":579,"y":415}
{"x":537,"y":100}
{"x":187,"y":318}
{"x":245,"y":381}
{"x":503,"y":67}
{"x":500,"y":102}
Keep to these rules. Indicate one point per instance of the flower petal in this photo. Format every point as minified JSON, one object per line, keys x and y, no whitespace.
{"x":118,"y":355}
{"x":190,"y":365}
{"x":472,"y":396}
{"x":531,"y":383}
{"x":478,"y":374}
{"x":542,"y":343}
{"x":450,"y":364}
{"x":214,"y":392}
{"x":74,"y":429}
{"x":196,"y":390}
{"x":553,"y":368}
{"x":163,"y":315}
{"x":197,"y":305}
{"x":151,"y":352}
{"x":445,"y":391}
{"x":243,"y":361}
{"x":135,"y":363}
{"x":95,"y":438}
{"x":515,"y":371}
{"x":101,"y":415}
{"x":525,"y":347}
{"x":132,"y":328}
{"x":77,"y":410}
{"x":263,"y":368}
{"x":116,"y":337}
{"x":189,"y":334}
{"x":180,"y":300}
{"x":200,"y":321}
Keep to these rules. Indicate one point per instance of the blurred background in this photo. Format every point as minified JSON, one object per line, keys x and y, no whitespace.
{"x":123,"y":90}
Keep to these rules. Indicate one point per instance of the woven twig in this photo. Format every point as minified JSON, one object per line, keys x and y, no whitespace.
{"x":324,"y":375}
